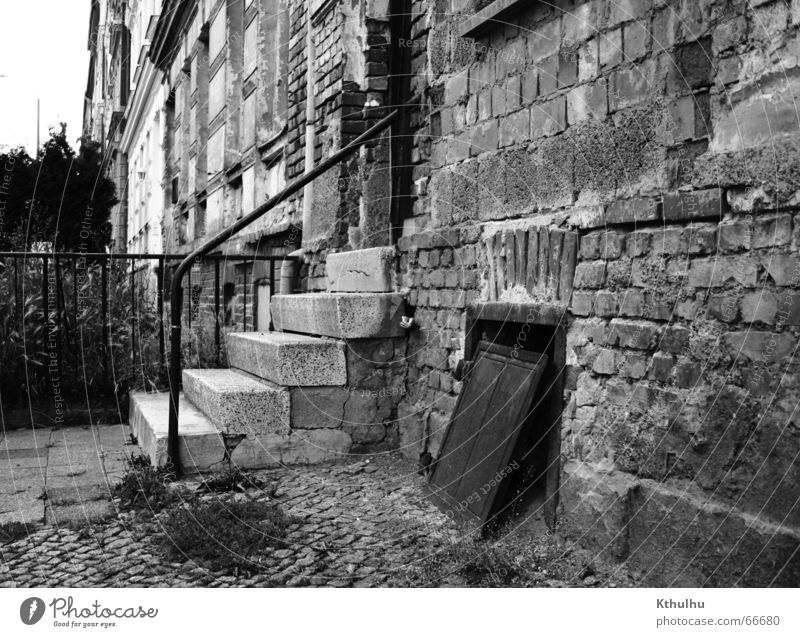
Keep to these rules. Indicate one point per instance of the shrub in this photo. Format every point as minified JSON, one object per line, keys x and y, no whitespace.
{"x":222,"y":534}
{"x":144,"y":486}
{"x":12,"y":531}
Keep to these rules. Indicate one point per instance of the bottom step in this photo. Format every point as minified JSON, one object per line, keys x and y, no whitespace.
{"x":201,"y":446}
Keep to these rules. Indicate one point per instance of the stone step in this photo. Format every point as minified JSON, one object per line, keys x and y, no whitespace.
{"x":288,"y":359}
{"x":237,"y":403}
{"x":202,"y":448}
{"x":339,"y":315}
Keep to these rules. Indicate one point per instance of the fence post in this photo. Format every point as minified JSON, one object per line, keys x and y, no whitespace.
{"x":216,"y":310}
{"x":133,"y":316}
{"x":46,"y":309}
{"x":104,"y":306}
{"x":160,"y":286}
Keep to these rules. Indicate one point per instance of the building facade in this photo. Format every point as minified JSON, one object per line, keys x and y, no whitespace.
{"x":610,"y":182}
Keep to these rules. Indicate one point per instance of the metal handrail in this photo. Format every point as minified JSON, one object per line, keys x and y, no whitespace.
{"x":176,"y":309}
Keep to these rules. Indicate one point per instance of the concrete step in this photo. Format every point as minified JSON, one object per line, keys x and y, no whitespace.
{"x":201,"y":446}
{"x":339,"y":315}
{"x":236,"y":402}
{"x":288,"y":359}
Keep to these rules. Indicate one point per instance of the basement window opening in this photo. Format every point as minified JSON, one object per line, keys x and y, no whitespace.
{"x":499,"y":462}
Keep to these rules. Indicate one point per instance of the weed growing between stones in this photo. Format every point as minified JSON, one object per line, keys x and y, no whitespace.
{"x":517,"y":559}
{"x":221,"y":534}
{"x":12,"y":531}
{"x":235,"y":479}
{"x":144,"y":486}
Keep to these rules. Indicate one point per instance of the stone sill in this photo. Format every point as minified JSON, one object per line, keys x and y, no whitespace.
{"x":486,"y":18}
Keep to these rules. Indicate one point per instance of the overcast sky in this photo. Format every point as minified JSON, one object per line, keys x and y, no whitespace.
{"x":42,"y":54}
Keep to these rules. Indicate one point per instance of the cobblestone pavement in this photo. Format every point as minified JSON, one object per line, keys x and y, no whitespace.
{"x":358,"y":524}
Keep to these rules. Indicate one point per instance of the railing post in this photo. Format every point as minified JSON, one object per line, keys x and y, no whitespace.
{"x":160,"y":302}
{"x":216,"y":310}
{"x":46,"y":312}
{"x":104,"y":310}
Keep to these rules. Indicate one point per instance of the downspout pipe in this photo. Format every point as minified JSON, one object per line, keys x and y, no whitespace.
{"x":311,"y":131}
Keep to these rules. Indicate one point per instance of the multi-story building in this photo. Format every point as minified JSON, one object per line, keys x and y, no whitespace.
{"x":608,"y":184}
{"x":106,"y":98}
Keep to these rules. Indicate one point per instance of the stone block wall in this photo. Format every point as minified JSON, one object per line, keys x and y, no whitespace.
{"x":660,"y":136}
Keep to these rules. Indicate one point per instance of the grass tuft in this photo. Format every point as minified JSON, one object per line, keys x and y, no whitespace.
{"x":221,"y":534}
{"x":12,"y":531}
{"x":144,"y":486}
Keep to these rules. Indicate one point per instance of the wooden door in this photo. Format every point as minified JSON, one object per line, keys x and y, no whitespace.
{"x":497,"y":397}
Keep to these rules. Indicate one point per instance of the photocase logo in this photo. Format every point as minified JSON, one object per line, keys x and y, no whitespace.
{"x":31,"y":610}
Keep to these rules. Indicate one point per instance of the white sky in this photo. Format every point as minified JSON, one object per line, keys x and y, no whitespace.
{"x":42,"y":54}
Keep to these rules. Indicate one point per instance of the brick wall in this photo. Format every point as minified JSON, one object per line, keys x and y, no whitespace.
{"x":660,"y":136}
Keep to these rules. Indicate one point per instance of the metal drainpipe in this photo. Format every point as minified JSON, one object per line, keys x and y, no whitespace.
{"x":308,"y":191}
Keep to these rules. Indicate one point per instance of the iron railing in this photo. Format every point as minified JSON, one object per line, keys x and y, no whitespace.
{"x":58,"y":280}
{"x":173,"y":457}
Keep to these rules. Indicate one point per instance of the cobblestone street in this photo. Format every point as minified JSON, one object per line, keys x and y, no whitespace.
{"x":361,"y":523}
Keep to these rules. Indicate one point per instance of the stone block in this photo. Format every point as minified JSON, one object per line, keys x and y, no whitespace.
{"x":296,"y":448}
{"x":715,"y":272}
{"x":698,"y":204}
{"x":236,"y":402}
{"x":587,"y":101}
{"x":783,"y":269}
{"x":611,"y":48}
{"x":767,"y":347}
{"x":605,"y":362}
{"x":590,"y":274}
{"x":567,"y":68}
{"x":734,"y":236}
{"x":772,"y":231}
{"x":548,"y":118}
{"x":661,"y":367}
{"x":605,"y":303}
{"x":761,"y":306}
{"x":632,"y":211}
{"x":354,"y":315}
{"x":633,"y":334}
{"x":200,"y":444}
{"x":582,"y":303}
{"x":632,"y":303}
{"x":598,"y":498}
{"x":634,"y":38}
{"x":675,"y":339}
{"x":288,"y":359}
{"x":368,"y":270}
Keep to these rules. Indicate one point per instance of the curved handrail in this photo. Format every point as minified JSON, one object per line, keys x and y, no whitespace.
{"x":176,"y":309}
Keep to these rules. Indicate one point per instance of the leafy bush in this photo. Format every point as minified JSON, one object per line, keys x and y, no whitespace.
{"x":221,"y":534}
{"x":30,"y":338}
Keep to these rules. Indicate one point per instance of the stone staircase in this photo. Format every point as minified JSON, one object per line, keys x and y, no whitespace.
{"x":322,"y":386}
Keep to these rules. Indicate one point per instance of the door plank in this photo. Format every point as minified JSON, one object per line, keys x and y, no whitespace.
{"x":496,"y":400}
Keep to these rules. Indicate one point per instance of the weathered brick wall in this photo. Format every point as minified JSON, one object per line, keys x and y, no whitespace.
{"x":664,"y":135}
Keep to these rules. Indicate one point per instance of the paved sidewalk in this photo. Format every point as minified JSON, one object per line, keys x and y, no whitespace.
{"x":61,"y":476}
